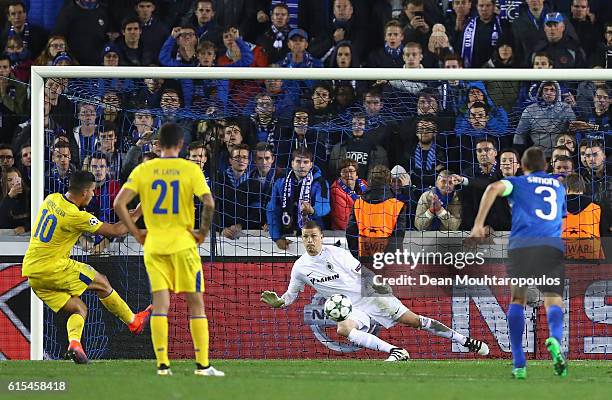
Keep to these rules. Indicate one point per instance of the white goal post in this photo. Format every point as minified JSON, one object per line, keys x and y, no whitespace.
{"x":39,"y":73}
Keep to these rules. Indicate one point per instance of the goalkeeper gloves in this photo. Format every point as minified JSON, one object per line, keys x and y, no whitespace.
{"x":272,"y":299}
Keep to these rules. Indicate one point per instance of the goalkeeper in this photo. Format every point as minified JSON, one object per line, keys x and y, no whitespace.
{"x":331,"y":270}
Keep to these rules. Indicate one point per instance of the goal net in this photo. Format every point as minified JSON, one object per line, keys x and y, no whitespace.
{"x":434,"y":129}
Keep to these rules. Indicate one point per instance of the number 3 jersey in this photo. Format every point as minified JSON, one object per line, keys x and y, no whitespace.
{"x":333,"y":271}
{"x":538,"y":207}
{"x":166,"y":187}
{"x":58,"y":225}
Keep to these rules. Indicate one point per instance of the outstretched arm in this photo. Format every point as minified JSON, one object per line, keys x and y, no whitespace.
{"x":120,"y":205}
{"x":292,"y":293}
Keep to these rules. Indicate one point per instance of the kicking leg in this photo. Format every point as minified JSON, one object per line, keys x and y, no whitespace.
{"x":439,"y":329}
{"x":111,"y":300}
{"x":554,"y":313}
{"x":516,"y":327}
{"x":76,"y":321}
{"x":198,"y":326}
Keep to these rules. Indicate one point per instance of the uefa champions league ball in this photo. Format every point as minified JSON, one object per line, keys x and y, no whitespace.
{"x":338,"y":307}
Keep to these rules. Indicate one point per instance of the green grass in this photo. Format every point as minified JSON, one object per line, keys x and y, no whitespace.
{"x":314,"y":380}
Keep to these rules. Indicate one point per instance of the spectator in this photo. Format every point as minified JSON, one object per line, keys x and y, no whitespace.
{"x":13,"y":95}
{"x":598,"y":119}
{"x":343,"y":27}
{"x":203,"y":18}
{"x":209,"y":94}
{"x":186,"y":56}
{"x":427,"y":156}
{"x":275,"y":39}
{"x":344,"y":191}
{"x":170,"y":104}
{"x":439,"y":208}
{"x":528,"y":93}
{"x":15,"y":203}
{"x":301,"y":136}
{"x":154,"y":32}
{"x":509,"y":163}
{"x":587,"y":26}
{"x":231,"y":182}
{"x":541,"y":121}
{"x":55,"y":45}
{"x":142,"y":129}
{"x":389,"y":56}
{"x":567,"y":140}
{"x":25,"y":162}
{"x":344,"y":96}
{"x":85,"y":133}
{"x":378,"y":220}
{"x":263,"y":126}
{"x":497,"y":118}
{"x":458,"y":18}
{"x":284,"y":93}
{"x":475,"y":180}
{"x":598,"y":185}
{"x":413,"y":56}
{"x":7,"y":158}
{"x":417,"y":22}
{"x":107,"y":145}
{"x":302,"y":195}
{"x":199,"y":155}
{"x":298,"y":57}
{"x":58,"y":176}
{"x":85,"y":25}
{"x":259,"y":187}
{"x":21,"y":59}
{"x":528,"y":27}
{"x":232,"y":137}
{"x":562,"y":165}
{"x":137,"y":154}
{"x":131,"y":47}
{"x":602,"y":55}
{"x":503,"y":56}
{"x":106,"y":189}
{"x":33,"y":37}
{"x":564,"y":50}
{"x":360,"y":147}
{"x":584,"y":223}
{"x":481,"y":35}
{"x":453,"y":92}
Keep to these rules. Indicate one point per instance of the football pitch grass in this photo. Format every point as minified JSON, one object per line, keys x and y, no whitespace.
{"x":312,"y":380}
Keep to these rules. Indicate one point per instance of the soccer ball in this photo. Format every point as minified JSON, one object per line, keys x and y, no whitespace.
{"x":338,"y":307}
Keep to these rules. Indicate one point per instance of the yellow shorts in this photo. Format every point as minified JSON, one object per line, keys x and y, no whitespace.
{"x":57,"y":288}
{"x":179,"y":272}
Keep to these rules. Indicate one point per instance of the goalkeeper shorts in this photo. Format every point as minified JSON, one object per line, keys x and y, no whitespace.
{"x":385,"y":310}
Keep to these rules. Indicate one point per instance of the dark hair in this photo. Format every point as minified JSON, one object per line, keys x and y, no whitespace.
{"x":129,"y":20}
{"x":563,"y":157}
{"x":379,"y":176}
{"x":480,"y":104}
{"x":486,"y":139}
{"x":575,"y":183}
{"x":16,"y":3}
{"x":263,"y":146}
{"x":534,"y":159}
{"x":4,"y":146}
{"x":170,"y":135}
{"x":347,"y":162}
{"x":302,"y":152}
{"x":453,"y":57}
{"x":392,"y":23}
{"x":23,"y":146}
{"x":312,"y":225}
{"x":238,"y":147}
{"x":4,"y":56}
{"x":198,"y":144}
{"x":510,"y":150}
{"x":108,"y":126}
{"x":281,"y":5}
{"x":588,"y":143}
{"x":98,"y":156}
{"x":80,"y":181}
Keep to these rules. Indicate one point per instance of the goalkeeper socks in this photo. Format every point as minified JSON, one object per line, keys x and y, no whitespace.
{"x":159,"y":337}
{"x":439,"y":329}
{"x":516,"y":326}
{"x":554,"y":315}
{"x":115,"y":304}
{"x":198,"y":326}
{"x":75,"y":327}
{"x":369,"y":341}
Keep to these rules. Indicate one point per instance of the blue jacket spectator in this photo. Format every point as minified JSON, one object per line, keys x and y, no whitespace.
{"x":300,"y":196}
{"x":497,"y":123}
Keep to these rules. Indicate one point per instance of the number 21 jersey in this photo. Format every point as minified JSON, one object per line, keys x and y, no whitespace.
{"x":538,"y":207}
{"x":166,"y":187}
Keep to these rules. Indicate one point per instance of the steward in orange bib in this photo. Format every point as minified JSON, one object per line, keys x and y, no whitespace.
{"x":583,"y":224}
{"x":378,"y":221}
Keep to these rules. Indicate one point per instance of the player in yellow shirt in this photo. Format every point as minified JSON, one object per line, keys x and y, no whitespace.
{"x":59,"y":280}
{"x":166,"y":187}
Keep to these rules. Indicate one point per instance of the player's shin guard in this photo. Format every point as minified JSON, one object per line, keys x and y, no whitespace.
{"x":439,"y":329}
{"x":369,"y":341}
{"x":115,"y":304}
{"x":516,"y":326}
{"x":554,"y":315}
{"x":159,"y":337}
{"x":199,"y":334}
{"x":75,"y":327}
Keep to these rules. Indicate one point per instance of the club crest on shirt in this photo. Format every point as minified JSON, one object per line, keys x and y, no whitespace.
{"x":330,"y":267}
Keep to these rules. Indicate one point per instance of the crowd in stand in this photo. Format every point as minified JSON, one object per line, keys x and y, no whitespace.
{"x":278,"y":153}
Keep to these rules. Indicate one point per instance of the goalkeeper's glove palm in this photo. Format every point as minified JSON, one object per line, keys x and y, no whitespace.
{"x":272,"y":299}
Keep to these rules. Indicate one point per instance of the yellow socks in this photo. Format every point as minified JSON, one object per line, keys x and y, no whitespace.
{"x":75,"y":327}
{"x":159,"y":337}
{"x":115,"y":304}
{"x":199,"y":334}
